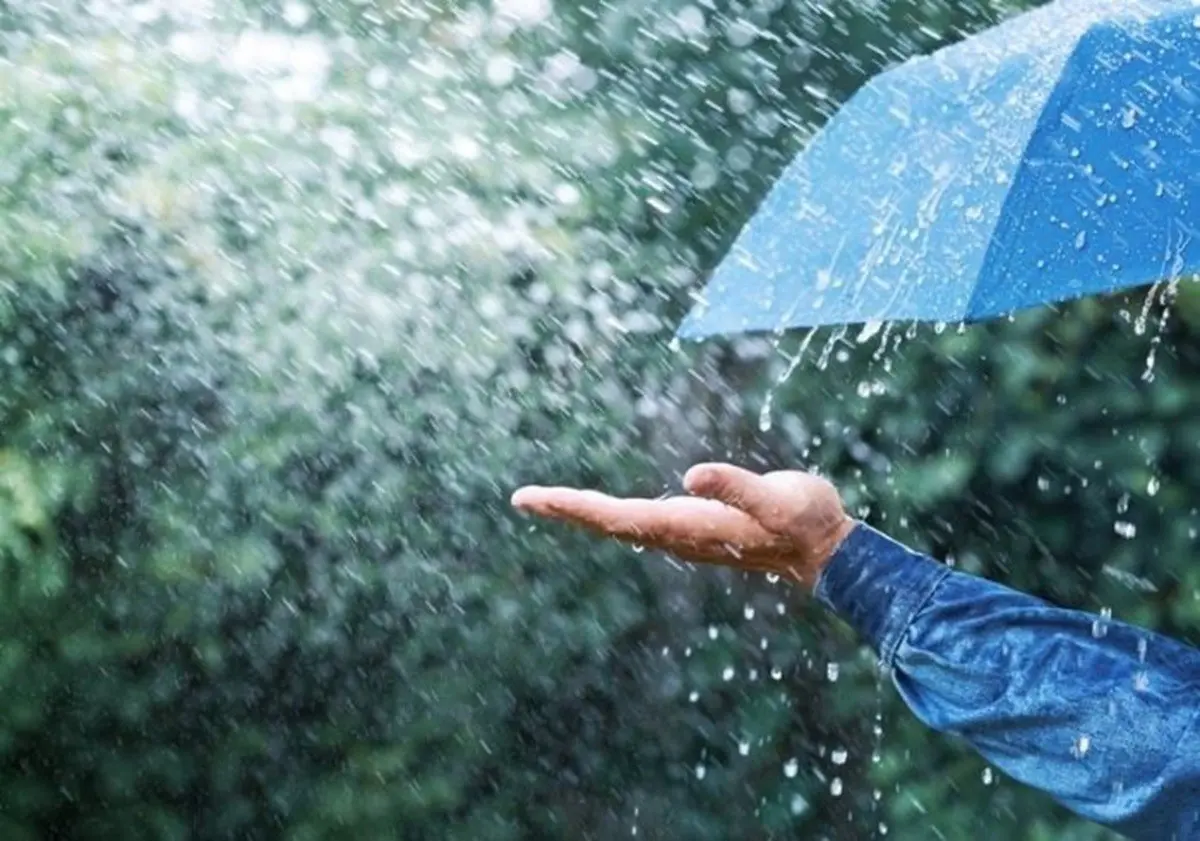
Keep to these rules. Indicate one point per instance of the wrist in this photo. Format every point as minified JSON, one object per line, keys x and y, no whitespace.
{"x":823,"y":548}
{"x":837,"y":536}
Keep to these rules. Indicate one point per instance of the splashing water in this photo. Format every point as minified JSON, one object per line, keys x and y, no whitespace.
{"x":764,"y":416}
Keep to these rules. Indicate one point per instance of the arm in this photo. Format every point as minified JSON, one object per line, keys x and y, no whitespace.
{"x":1103,"y":716}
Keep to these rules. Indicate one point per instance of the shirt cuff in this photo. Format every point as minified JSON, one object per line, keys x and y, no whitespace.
{"x":878,"y":586}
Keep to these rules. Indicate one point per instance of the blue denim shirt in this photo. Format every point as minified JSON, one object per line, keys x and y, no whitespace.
{"x":1102,"y":715}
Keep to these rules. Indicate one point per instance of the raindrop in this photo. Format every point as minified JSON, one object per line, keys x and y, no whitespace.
{"x":1152,"y":486}
{"x":637,"y":548}
{"x":799,"y":805}
{"x":728,"y":674}
{"x":869,"y":331}
{"x":988,"y":777}
{"x":743,"y":747}
{"x":748,"y":611}
{"x":700,"y":772}
{"x":831,"y":672}
{"x":791,"y":768}
{"x":835,"y":788}
{"x":693,"y":696}
{"x":764,"y":415}
{"x":839,"y":756}
{"x":712,"y":632}
{"x":1082,"y":745}
{"x":1129,"y":117}
{"x":776,"y":673}
{"x":1081,"y":240}
{"x":1125,"y":529}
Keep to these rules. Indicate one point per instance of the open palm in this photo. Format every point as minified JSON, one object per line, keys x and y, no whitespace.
{"x":788,"y":522}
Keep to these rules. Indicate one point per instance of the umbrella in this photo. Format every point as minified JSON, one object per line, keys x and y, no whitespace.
{"x":1054,"y":156}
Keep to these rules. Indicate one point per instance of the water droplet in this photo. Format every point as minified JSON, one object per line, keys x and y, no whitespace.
{"x":799,"y":805}
{"x":743,"y":747}
{"x":712,"y":632}
{"x":772,"y":578}
{"x":764,"y":415}
{"x":835,"y":788}
{"x":748,"y":611}
{"x":839,"y":756}
{"x":1153,"y":485}
{"x":1125,"y":529}
{"x":831,"y":672}
{"x":637,"y":548}
{"x":1081,"y":240}
{"x":776,"y":673}
{"x":869,"y":330}
{"x":1129,"y":117}
{"x":700,"y":772}
{"x":693,"y":696}
{"x":728,"y":674}
{"x":1082,"y":745}
{"x":791,"y":767}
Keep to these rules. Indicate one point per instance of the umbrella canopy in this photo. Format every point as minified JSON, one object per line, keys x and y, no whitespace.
{"x":1053,"y":156}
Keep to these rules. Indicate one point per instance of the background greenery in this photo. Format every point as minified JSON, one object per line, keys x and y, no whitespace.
{"x":292,"y":296}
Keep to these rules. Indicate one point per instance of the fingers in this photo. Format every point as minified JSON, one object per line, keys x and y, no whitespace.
{"x":735,"y":487}
{"x":702,"y":529}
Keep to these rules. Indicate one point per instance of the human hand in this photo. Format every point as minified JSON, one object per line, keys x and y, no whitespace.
{"x":788,"y":523}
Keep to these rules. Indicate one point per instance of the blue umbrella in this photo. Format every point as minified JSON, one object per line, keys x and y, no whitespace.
{"x":1054,"y":156}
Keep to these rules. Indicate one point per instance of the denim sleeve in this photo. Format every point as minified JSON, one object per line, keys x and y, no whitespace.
{"x":1102,"y":715}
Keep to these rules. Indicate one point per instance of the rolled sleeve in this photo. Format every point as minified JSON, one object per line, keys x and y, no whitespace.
{"x":878,"y":585}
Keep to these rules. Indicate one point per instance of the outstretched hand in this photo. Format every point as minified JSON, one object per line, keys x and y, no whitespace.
{"x":788,"y":523}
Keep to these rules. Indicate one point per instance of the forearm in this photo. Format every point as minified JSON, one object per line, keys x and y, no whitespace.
{"x":1098,"y":713}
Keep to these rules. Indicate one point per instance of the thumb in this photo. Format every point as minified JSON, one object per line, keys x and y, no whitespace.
{"x":734,"y":486}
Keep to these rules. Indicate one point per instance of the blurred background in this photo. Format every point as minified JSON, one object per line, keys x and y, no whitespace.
{"x":292,"y":296}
